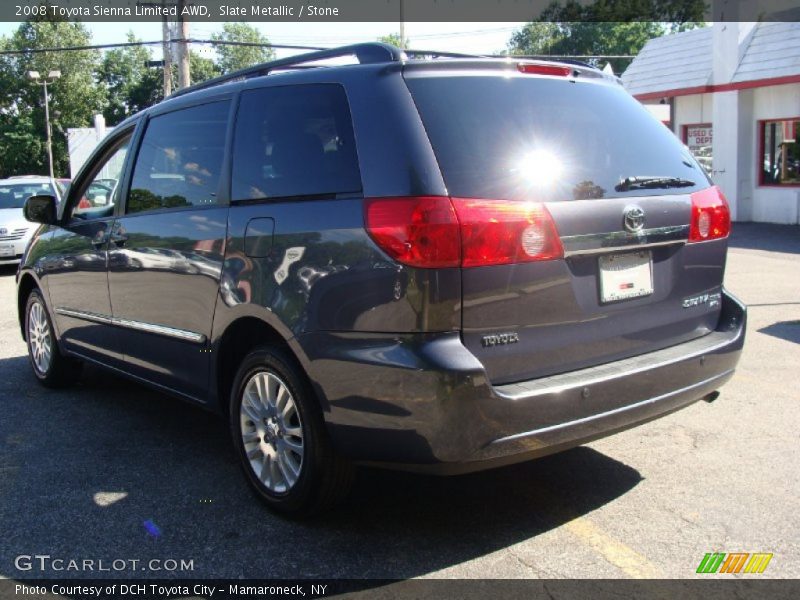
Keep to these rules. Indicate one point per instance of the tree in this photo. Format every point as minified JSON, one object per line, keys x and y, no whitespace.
{"x":74,"y":98}
{"x":130,"y":84}
{"x":232,"y":57}
{"x":607,"y":27}
{"x":201,"y":68}
{"x":395,"y":40}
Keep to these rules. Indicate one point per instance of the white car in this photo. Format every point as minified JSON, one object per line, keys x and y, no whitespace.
{"x":15,"y":231}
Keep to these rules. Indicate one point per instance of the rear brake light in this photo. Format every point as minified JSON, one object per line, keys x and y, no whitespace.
{"x":437,"y":232}
{"x":711,"y":217}
{"x":498,"y":232}
{"x":416,"y":231}
{"x":541,"y":69}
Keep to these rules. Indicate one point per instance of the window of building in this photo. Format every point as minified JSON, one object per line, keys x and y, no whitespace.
{"x":699,"y":138}
{"x":292,"y":142}
{"x":780,"y":152}
{"x":180,"y":159}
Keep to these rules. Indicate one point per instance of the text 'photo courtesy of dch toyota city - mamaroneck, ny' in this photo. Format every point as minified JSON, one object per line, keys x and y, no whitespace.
{"x":399,"y":299}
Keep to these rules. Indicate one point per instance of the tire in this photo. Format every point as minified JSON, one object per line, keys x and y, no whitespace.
{"x":280,"y":437}
{"x":49,"y":365}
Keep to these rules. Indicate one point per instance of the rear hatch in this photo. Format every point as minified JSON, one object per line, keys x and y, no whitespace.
{"x":620,"y":190}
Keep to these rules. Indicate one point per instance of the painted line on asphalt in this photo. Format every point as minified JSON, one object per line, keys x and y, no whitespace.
{"x":618,"y":554}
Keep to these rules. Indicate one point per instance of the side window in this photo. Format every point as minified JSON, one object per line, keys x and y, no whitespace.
{"x":97,"y":198}
{"x":294,"y":141}
{"x":180,"y":159}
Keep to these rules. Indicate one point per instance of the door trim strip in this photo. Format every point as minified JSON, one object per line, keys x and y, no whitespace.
{"x":180,"y":334}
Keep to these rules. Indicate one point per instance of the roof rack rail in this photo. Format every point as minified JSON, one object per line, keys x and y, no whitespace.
{"x":370,"y":52}
{"x":413,"y":53}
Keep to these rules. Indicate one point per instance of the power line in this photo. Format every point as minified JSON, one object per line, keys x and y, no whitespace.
{"x":157,"y":43}
{"x":255,"y":44}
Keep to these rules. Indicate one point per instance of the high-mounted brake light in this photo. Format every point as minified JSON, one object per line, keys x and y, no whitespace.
{"x":437,"y":232}
{"x":543,"y":69}
{"x":711,"y":216}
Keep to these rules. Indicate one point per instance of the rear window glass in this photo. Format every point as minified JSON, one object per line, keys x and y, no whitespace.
{"x":294,"y":141}
{"x":533,"y":138}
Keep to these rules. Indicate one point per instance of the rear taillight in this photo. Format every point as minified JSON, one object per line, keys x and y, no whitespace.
{"x":436,"y":232}
{"x":499,"y":232}
{"x":416,"y":231}
{"x":711,"y":217}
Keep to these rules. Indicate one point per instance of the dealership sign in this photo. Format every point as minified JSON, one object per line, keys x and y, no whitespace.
{"x":699,"y":136}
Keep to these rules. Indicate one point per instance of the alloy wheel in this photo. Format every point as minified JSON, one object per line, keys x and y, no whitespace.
{"x":272,"y":432}
{"x":40,"y":339}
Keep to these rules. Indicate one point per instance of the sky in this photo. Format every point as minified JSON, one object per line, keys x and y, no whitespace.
{"x":453,"y":37}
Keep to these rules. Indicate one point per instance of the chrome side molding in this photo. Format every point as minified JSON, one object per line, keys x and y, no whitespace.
{"x":181,"y":334}
{"x":595,"y":243}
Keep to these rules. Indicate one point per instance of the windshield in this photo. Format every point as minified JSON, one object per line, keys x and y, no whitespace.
{"x":543,"y":139}
{"x":14,"y":195}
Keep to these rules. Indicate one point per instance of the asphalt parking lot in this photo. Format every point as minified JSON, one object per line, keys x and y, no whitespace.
{"x":82,"y":470}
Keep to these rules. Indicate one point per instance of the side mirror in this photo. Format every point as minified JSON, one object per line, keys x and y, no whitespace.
{"x":41,"y":209}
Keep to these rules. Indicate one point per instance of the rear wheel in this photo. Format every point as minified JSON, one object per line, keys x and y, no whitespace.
{"x":51,"y":367}
{"x":280,"y":437}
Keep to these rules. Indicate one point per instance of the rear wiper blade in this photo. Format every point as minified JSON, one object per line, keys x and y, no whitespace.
{"x":641,"y":183}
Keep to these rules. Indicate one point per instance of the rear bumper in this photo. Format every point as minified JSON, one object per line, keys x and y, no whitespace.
{"x":424,"y":402}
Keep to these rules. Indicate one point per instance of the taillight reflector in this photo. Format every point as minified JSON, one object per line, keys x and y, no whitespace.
{"x":437,"y":232}
{"x":542,"y":69}
{"x":711,"y":216}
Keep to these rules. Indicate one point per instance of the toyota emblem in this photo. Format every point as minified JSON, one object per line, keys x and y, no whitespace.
{"x":633,"y":219}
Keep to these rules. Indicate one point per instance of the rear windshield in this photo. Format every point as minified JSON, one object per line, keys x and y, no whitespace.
{"x":544,"y":139}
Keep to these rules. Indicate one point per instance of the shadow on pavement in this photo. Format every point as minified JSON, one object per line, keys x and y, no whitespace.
{"x":785,"y":330}
{"x":84,"y":468}
{"x":766,"y":236}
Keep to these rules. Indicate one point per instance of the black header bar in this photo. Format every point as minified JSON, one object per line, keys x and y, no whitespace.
{"x":336,"y":11}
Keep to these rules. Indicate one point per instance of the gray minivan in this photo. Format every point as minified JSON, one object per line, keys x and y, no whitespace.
{"x":439,"y":263}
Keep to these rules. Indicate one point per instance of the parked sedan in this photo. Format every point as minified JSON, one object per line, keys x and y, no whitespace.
{"x":15,"y":231}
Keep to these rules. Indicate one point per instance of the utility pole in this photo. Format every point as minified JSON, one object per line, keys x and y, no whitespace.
{"x":167,"y":51}
{"x":184,"y":76}
{"x":166,"y":46}
{"x":402,"y":28}
{"x":52,"y":75}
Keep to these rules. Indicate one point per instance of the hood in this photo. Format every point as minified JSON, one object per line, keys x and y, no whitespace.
{"x":12,"y":218}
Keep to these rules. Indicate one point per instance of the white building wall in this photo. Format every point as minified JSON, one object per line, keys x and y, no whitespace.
{"x":692,"y":110}
{"x":725,"y":172}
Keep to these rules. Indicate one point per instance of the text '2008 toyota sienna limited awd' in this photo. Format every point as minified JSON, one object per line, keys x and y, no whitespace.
{"x":442,"y":265}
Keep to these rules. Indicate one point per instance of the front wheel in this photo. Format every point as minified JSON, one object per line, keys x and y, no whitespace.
{"x":51,"y":367}
{"x":280,"y":437}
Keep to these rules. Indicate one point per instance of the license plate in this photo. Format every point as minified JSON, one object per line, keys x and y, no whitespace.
{"x":6,"y":250}
{"x":624,"y":276}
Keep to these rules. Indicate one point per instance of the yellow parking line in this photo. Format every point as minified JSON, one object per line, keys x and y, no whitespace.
{"x":618,"y":554}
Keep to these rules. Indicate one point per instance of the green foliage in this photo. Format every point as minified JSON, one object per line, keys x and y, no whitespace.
{"x":231,"y":57}
{"x":606,"y":27}
{"x":201,"y":68}
{"x":395,"y":40}
{"x":74,"y":98}
{"x":130,"y":85}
